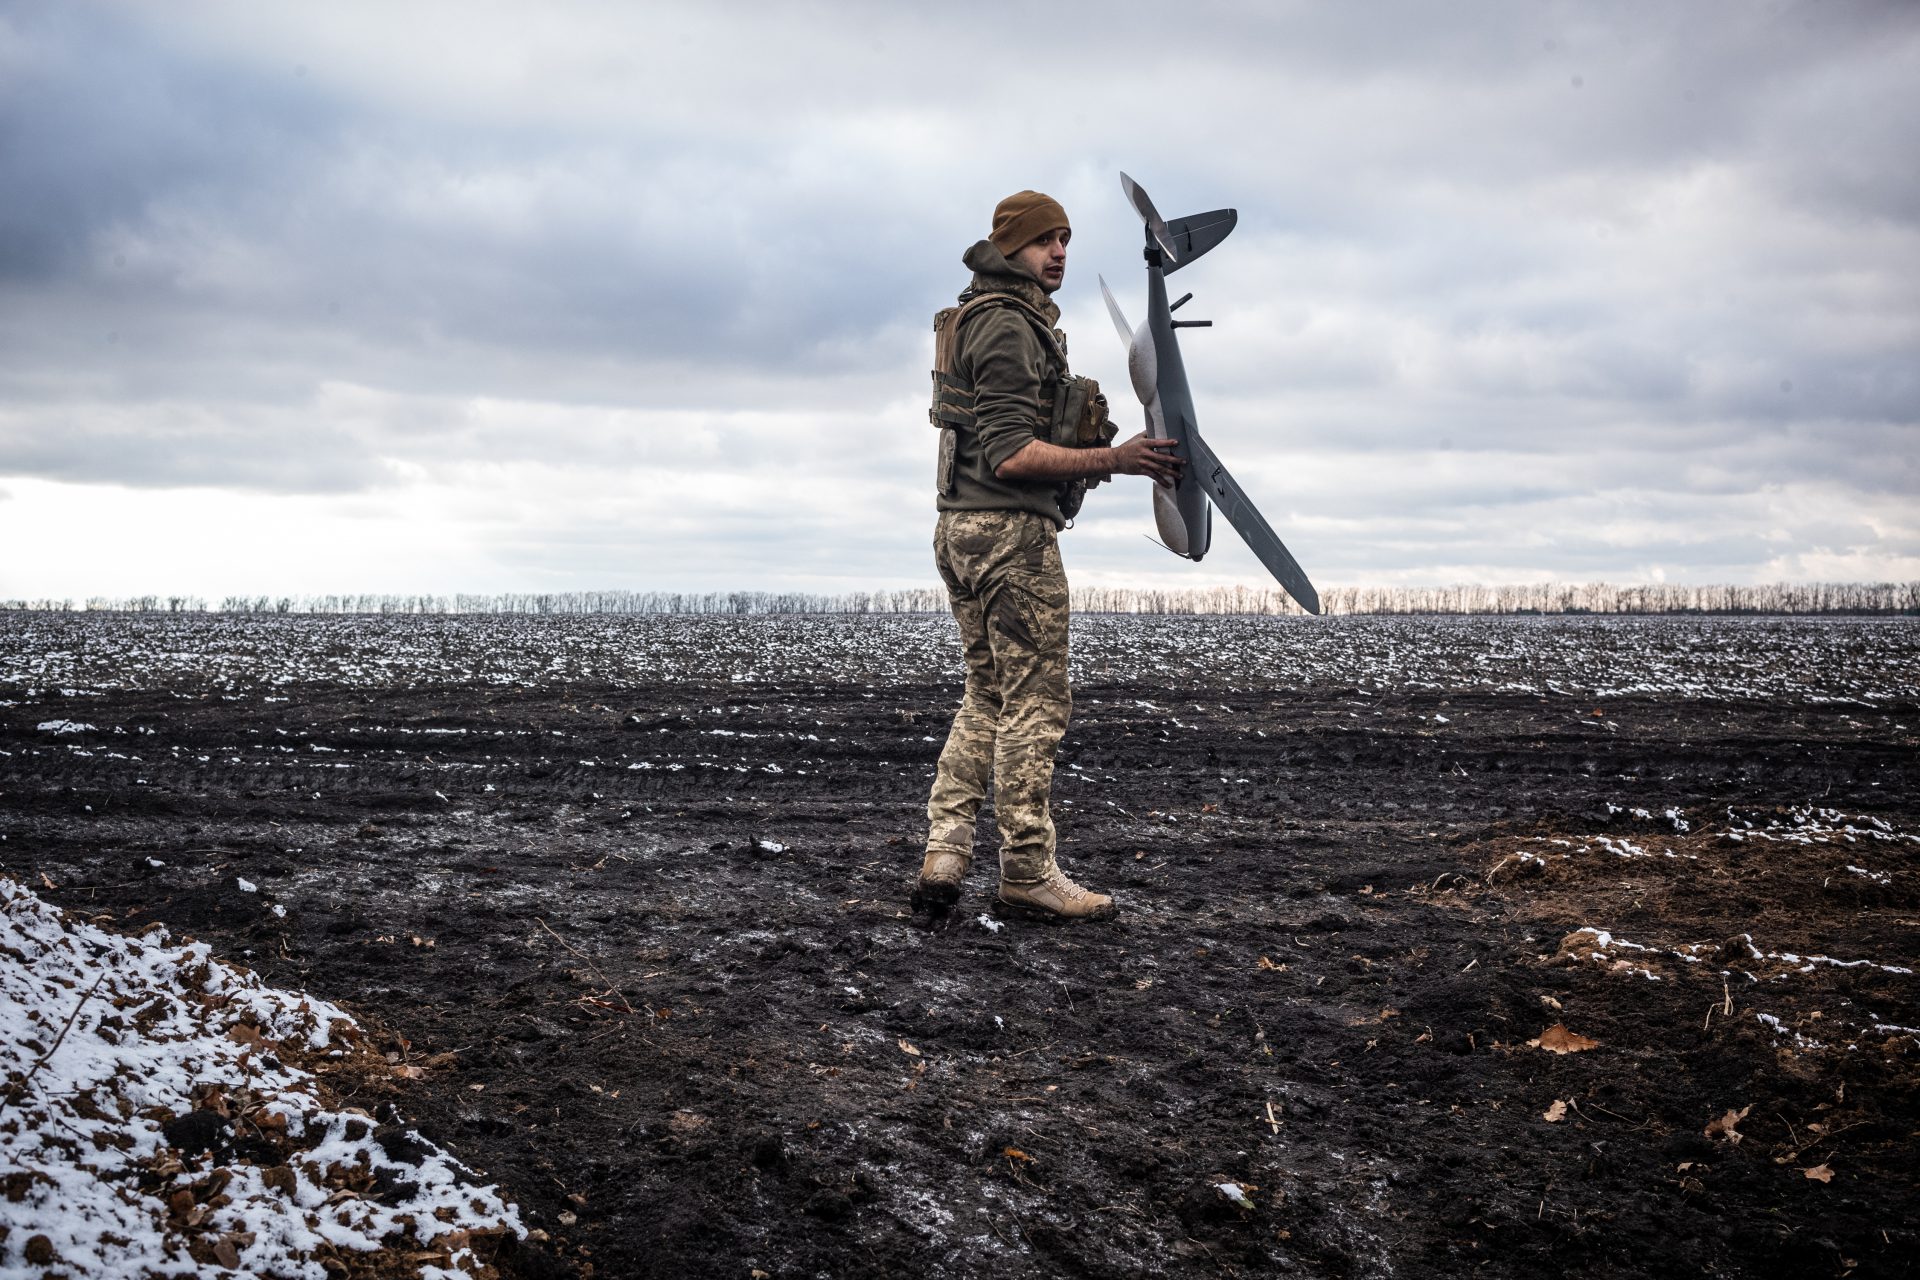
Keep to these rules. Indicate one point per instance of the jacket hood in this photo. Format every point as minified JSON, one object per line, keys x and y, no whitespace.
{"x":992,"y":273}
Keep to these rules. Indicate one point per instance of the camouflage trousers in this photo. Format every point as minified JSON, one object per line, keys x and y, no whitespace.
{"x":1009,"y":595}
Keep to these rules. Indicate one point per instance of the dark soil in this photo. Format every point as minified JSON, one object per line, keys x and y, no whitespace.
{"x":693,"y":1030}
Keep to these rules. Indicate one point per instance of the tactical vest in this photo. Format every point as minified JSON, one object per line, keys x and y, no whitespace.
{"x":1072,"y":411}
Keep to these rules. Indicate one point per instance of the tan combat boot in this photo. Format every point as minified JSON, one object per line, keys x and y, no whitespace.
{"x":941,"y":872}
{"x":1056,"y":897}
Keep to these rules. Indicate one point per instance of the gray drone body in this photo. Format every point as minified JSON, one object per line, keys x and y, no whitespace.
{"x":1182,"y":514}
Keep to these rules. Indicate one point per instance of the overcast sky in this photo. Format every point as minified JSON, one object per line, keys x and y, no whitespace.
{"x":438,"y":297}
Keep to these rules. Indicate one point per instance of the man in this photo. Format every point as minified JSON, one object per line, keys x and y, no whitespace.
{"x":1002,"y":398}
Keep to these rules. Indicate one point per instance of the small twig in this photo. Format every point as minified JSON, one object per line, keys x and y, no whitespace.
{"x":21,"y":1088}
{"x":1025,"y":1181}
{"x":1824,"y":1138}
{"x":1615,"y":1114}
{"x":589,"y":963}
{"x":1790,"y":1133}
{"x":1270,"y":1117}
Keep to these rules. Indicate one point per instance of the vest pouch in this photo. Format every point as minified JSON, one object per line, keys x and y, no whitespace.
{"x":945,"y":482}
{"x":1070,"y":403}
{"x":1096,"y":427}
{"x":1070,"y":497}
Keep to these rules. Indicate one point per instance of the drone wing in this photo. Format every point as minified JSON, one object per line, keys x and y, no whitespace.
{"x":1120,"y":324}
{"x":1252,"y":526}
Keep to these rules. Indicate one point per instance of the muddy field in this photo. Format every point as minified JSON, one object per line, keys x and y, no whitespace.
{"x":1515,"y":947}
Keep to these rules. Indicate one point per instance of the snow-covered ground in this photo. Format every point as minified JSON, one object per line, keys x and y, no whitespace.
{"x":157,"y":1119}
{"x":1864,"y":660}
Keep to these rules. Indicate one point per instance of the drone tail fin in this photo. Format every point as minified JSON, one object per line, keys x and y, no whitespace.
{"x":1196,"y":233}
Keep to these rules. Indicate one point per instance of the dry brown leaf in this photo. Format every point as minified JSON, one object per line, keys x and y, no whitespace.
{"x":1266,"y":963}
{"x":1557,"y":1039}
{"x":1724,"y":1126}
{"x":247,"y":1034}
{"x":1555,"y":1113}
{"x":1388,"y":1013}
{"x":907,"y":1048}
{"x":685,"y":1121}
{"x":406,"y":1072}
{"x":1819,"y":1173}
{"x":1015,"y":1153}
{"x":1551,"y":1003}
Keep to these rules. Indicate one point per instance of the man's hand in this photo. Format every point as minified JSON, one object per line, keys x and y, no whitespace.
{"x":1146,"y":456}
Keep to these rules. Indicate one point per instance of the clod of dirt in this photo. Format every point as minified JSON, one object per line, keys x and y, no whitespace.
{"x":829,"y":1206}
{"x":402,"y":1145}
{"x":198,"y":1132}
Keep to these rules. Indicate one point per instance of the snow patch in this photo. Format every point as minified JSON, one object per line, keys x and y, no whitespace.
{"x":108,"y":1040}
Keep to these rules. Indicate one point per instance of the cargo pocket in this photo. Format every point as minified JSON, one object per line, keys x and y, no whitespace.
{"x":1038,"y":550}
{"x":1030,"y":608}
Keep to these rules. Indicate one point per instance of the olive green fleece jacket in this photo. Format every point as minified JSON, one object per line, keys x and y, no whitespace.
{"x":1006,"y":362}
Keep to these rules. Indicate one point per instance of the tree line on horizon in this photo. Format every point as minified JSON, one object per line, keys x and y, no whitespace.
{"x":1787,"y":598}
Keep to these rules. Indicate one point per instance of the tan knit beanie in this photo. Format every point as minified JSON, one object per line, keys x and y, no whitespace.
{"x":1024,"y":217}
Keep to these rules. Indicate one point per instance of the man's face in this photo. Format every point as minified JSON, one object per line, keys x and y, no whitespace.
{"x":1045,"y":258}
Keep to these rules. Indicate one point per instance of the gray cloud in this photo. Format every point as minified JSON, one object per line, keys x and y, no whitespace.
{"x":1533,"y":262}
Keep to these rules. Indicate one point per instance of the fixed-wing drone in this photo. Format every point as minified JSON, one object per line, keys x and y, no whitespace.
{"x":1160,"y":380}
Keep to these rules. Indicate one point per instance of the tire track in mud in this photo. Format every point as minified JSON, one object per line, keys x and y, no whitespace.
{"x":811,"y":1084}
